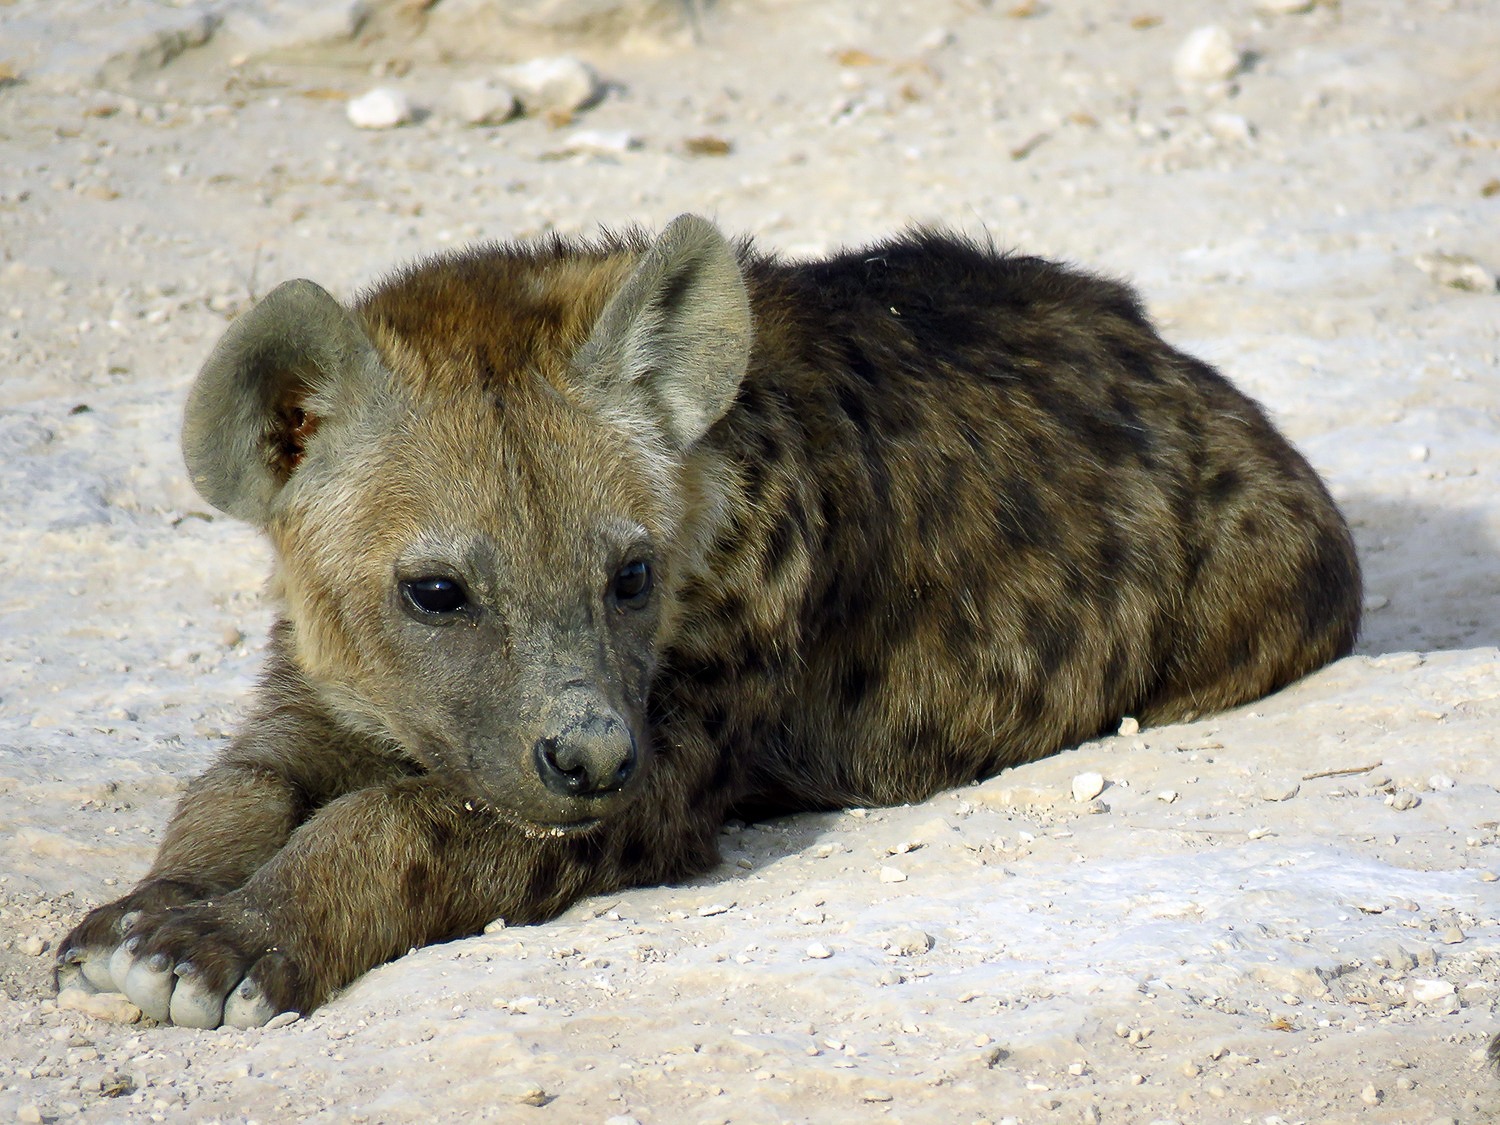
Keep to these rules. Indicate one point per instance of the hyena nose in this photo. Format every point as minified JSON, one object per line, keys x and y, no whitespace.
{"x":593,"y":756}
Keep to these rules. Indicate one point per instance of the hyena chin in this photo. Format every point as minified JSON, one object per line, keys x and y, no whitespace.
{"x":582,"y":547}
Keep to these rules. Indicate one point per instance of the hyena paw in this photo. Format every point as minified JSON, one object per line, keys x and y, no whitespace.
{"x":84,"y":956}
{"x":206,"y":964}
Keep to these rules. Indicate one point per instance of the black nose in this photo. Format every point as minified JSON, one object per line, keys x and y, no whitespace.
{"x":593,"y":756}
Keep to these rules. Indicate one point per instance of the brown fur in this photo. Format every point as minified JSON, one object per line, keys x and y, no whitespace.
{"x":951,"y":511}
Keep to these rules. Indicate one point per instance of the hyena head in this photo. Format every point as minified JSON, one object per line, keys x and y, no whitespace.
{"x":481,"y":490}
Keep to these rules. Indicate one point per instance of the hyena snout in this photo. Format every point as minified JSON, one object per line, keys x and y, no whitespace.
{"x":592,"y":755}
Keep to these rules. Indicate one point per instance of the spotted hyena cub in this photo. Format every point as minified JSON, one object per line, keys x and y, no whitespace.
{"x":583,"y":547}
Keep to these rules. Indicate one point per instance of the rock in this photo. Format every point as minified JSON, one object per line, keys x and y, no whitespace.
{"x":907,"y":942}
{"x":1129,"y":726}
{"x":1087,"y":786}
{"x":483,"y":101}
{"x":1279,"y":790}
{"x":118,"y":43}
{"x":1230,"y":128}
{"x":527,"y":1093}
{"x":384,"y":107}
{"x":892,"y":875}
{"x":560,"y":84}
{"x":1284,"y":7}
{"x":1456,"y":271}
{"x":1403,"y":799}
{"x":1432,"y":993}
{"x":819,"y":952}
{"x":112,"y":1007}
{"x":29,"y":1114}
{"x":32,"y":946}
{"x":1208,"y":55}
{"x":280,"y":25}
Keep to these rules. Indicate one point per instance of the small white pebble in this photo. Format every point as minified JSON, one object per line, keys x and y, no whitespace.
{"x":1419,"y":453}
{"x":1130,"y":725}
{"x":601,"y":142}
{"x":32,"y":946}
{"x":1206,"y":56}
{"x":382,"y":108}
{"x":1369,"y":1095}
{"x":892,"y":875}
{"x":819,"y":952}
{"x":1087,"y":786}
{"x":1167,"y":795}
{"x":1440,"y":781}
{"x":1230,"y":128}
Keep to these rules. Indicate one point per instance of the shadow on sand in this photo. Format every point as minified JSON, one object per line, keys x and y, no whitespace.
{"x":1437,"y":569}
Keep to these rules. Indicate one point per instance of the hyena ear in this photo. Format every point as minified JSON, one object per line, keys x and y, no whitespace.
{"x":674,"y":340}
{"x":268,"y":384}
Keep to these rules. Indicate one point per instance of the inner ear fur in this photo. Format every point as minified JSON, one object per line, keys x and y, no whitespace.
{"x":263,"y":392}
{"x":674,"y":340}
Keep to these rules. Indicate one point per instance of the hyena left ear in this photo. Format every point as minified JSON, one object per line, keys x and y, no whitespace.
{"x":674,"y":340}
{"x":277,"y":373}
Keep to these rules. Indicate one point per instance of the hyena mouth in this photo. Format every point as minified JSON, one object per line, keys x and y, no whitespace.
{"x":533,"y":829}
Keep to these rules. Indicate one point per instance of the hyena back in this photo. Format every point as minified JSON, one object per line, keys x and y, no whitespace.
{"x":583,"y":547}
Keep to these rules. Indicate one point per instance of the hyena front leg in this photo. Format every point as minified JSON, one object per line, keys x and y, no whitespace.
{"x":362,"y":881}
{"x":231,"y":821}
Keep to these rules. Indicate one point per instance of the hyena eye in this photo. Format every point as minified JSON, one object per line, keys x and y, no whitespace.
{"x":434,"y":597}
{"x":632,"y":585}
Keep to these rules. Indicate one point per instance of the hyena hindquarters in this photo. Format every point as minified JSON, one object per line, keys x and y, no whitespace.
{"x":581,"y":546}
{"x":997,"y":513}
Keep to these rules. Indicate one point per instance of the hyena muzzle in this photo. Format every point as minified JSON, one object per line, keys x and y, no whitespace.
{"x":583,"y":547}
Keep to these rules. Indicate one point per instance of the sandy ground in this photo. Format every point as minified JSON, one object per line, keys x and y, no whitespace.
{"x":1286,"y":913}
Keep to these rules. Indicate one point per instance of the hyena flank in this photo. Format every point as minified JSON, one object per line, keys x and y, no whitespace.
{"x":583,"y":547}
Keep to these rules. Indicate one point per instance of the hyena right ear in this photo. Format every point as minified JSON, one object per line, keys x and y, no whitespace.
{"x":270,"y":381}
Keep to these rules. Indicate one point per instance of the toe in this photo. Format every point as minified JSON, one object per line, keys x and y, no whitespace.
{"x":110,"y":969}
{"x":247,"y":1006}
{"x":194,"y":1004}
{"x":149,"y":985}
